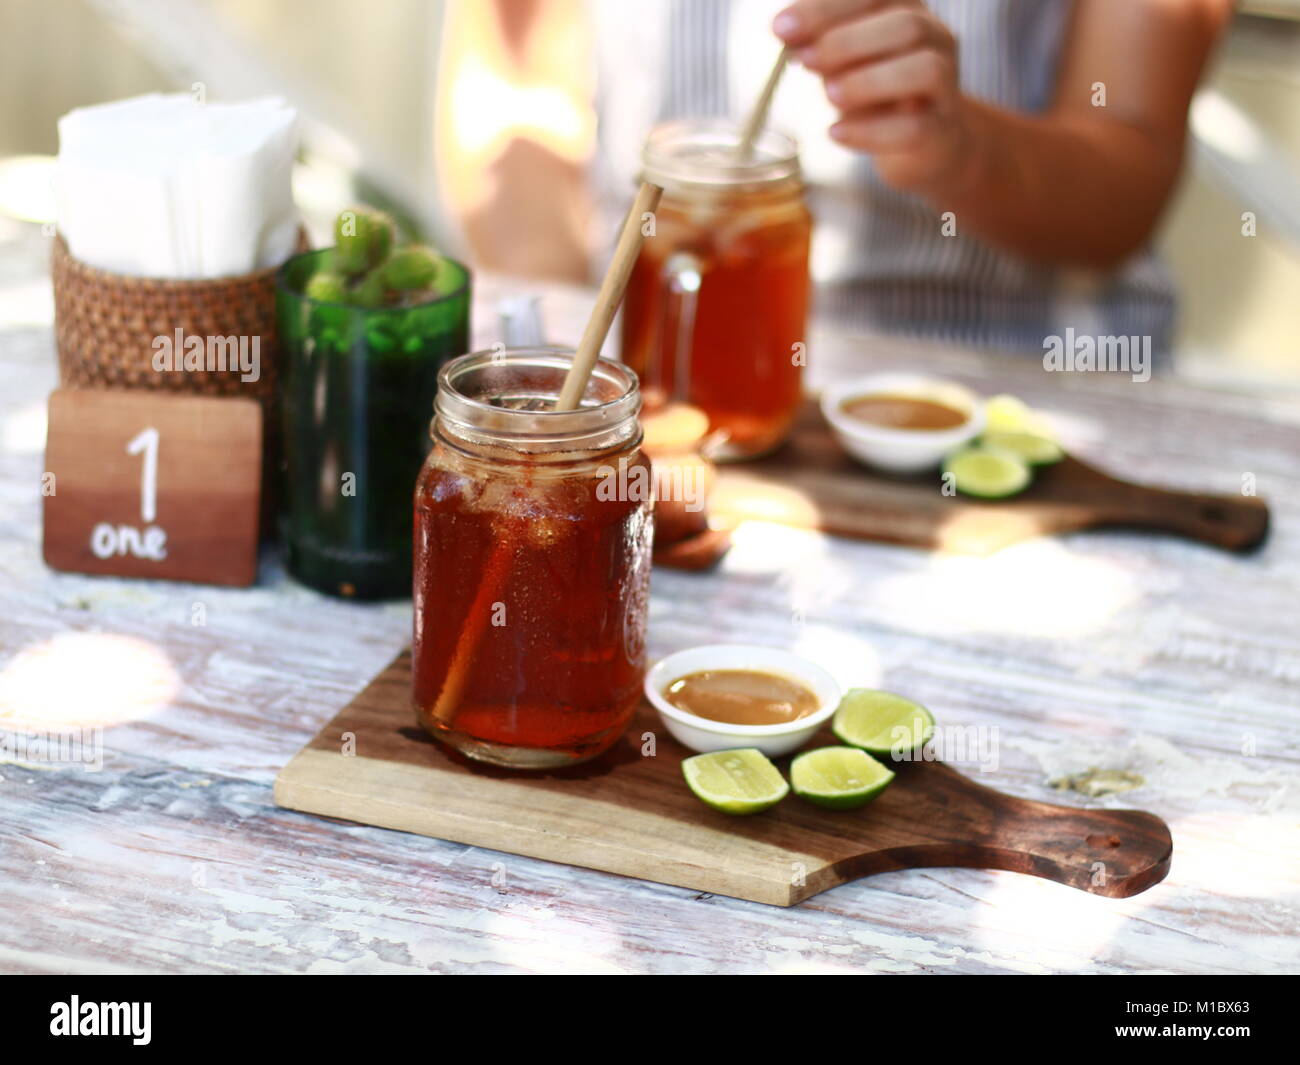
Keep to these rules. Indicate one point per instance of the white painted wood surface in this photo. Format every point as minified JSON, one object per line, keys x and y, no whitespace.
{"x":1110,"y":649}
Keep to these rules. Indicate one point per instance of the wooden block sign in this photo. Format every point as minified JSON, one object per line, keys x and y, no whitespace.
{"x":153,"y":484}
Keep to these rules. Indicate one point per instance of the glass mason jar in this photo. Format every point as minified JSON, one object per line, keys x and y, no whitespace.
{"x":358,"y":387}
{"x":717,"y":305}
{"x":532,"y":561}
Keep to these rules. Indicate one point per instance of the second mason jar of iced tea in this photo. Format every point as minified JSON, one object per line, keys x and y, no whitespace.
{"x":716,"y":310}
{"x":532,"y":561}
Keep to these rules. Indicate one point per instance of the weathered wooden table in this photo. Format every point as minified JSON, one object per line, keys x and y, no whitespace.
{"x":1170,"y":660}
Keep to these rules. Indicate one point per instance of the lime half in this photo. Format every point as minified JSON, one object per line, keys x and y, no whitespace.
{"x":840,"y":778}
{"x":987,"y":472}
{"x":1034,"y":449}
{"x":881,"y":722}
{"x":741,"y":781}
{"x":1007,"y":414}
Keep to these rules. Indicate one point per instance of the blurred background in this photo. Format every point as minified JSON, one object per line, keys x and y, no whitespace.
{"x":426,"y":106}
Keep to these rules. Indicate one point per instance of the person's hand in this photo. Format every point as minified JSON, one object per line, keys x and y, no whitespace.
{"x":890,"y":69}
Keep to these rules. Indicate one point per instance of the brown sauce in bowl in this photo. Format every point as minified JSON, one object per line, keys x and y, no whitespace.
{"x":903,"y":412}
{"x":742,"y":697}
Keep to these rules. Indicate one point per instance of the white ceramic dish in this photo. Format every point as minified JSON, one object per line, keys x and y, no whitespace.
{"x":902,"y":450}
{"x":701,"y":734}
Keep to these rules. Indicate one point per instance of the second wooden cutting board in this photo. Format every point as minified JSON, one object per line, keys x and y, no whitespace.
{"x":812,"y":483}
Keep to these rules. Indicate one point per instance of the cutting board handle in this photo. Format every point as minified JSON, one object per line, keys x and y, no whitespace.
{"x":1116,"y":853}
{"x":1236,"y":523}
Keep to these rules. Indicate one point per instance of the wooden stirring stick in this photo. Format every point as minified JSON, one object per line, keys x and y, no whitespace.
{"x":497,"y":570}
{"x":609,"y":297}
{"x":758,"y":116}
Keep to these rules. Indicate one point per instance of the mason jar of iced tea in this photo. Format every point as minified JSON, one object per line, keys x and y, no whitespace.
{"x":532,"y":561}
{"x":716,"y":309}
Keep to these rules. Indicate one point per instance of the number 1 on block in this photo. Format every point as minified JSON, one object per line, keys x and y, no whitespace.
{"x":147,"y":441}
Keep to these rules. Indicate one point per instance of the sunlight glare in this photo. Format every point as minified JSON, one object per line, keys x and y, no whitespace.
{"x":23,"y":431}
{"x":85,"y":680}
{"x":1036,"y":588}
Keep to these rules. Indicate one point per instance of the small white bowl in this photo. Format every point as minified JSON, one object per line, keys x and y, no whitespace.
{"x":701,"y":734}
{"x":902,"y":450}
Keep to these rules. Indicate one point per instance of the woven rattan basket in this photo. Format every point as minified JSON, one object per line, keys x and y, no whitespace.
{"x":105,"y":325}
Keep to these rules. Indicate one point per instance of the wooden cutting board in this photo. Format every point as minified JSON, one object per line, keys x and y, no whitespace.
{"x":812,"y":483}
{"x":632,"y":814}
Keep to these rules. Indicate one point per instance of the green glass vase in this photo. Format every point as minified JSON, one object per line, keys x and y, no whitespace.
{"x":357,"y":396}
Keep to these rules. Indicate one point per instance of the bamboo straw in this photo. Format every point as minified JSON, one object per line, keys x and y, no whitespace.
{"x":758,"y":116}
{"x":610,"y":296}
{"x":575,"y":384}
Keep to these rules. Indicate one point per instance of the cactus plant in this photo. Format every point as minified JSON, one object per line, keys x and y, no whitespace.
{"x":367,"y":271}
{"x":412,"y":267}
{"x":328,"y":287}
{"x":371,"y":291}
{"x":363,"y":237}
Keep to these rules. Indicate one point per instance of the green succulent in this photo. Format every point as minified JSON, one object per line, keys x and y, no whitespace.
{"x":327,"y":287}
{"x":413,"y":267}
{"x":372,"y":291}
{"x":363,"y":237}
{"x":364,"y":269}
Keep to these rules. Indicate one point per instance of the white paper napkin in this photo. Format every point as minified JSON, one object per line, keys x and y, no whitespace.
{"x":164,"y":186}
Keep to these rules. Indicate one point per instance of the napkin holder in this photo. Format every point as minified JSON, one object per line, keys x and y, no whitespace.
{"x":106,"y":325}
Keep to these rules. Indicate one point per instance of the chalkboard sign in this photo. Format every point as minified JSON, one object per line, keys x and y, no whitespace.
{"x":153,"y":484}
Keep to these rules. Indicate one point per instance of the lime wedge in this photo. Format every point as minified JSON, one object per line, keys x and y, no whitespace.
{"x":881,"y":722}
{"x":1034,"y":449}
{"x":838,"y":777}
{"x":741,"y":781}
{"x":1007,"y":414}
{"x":987,"y":472}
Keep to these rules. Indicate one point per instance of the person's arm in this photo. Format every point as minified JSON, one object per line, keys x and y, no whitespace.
{"x":1080,"y":184}
{"x":514,"y":173}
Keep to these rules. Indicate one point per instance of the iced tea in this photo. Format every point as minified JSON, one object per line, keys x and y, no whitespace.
{"x":532,"y":562}
{"x":716,"y":309}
